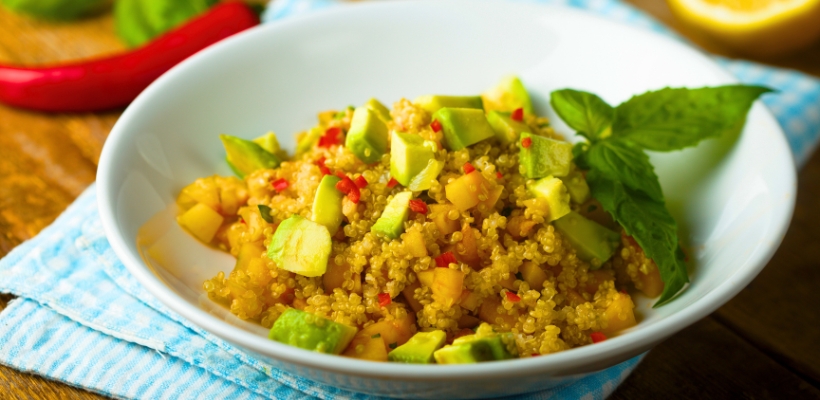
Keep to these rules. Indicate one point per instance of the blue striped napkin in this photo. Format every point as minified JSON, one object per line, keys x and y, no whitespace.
{"x":82,"y":319}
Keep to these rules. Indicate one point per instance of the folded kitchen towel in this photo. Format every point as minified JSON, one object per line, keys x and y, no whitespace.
{"x":82,"y":319}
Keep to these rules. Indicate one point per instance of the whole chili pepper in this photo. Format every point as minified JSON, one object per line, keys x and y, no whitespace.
{"x":111,"y":82}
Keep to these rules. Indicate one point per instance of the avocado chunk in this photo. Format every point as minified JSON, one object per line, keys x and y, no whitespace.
{"x":309,"y":139}
{"x":419,"y":349}
{"x":576,"y":186}
{"x":555,"y":193}
{"x":409,"y":155}
{"x":544,"y":157}
{"x":391,"y":223}
{"x":380,"y":109}
{"x":311,"y":332}
{"x":270,"y":143}
{"x":367,"y":137}
{"x":424,"y":179}
{"x":463,"y":127}
{"x":432,"y":103}
{"x":484,"y":345}
{"x":245,"y":156}
{"x":300,"y":246}
{"x":509,"y":94}
{"x":327,"y":204}
{"x":506,"y":129}
{"x":592,"y":242}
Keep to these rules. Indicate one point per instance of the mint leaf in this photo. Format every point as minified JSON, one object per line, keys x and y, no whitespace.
{"x":618,"y":160}
{"x":584,"y":112}
{"x":649,"y":223}
{"x":673,"y":119}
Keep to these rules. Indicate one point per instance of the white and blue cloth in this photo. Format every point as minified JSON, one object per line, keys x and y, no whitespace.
{"x":82,"y":319}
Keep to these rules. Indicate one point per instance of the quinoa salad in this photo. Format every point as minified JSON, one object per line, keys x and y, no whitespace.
{"x":446,"y":229}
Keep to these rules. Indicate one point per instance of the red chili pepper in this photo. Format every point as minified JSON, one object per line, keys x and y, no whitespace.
{"x":445,"y":259}
{"x":436,"y":126}
{"x":517,"y":115}
{"x":345,"y":185}
{"x":418,"y":206}
{"x":526,"y":142}
{"x":513,"y":297}
{"x":341,"y":174}
{"x":111,"y":82}
{"x":384,"y":299}
{"x":280,"y":185}
{"x":321,"y":161}
{"x":468,"y":168}
{"x":392,"y":182}
{"x":354,"y":194}
{"x":597,"y":337}
{"x":332,"y":137}
{"x":361,"y":182}
{"x":325,"y":170}
{"x":498,"y":175}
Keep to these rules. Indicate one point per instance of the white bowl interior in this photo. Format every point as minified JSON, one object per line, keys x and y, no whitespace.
{"x":733,"y":198}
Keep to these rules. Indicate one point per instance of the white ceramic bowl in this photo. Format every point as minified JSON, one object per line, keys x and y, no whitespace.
{"x":733,"y":198}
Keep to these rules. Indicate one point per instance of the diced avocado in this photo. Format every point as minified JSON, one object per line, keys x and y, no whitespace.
{"x":432,"y":103}
{"x":463,"y":127}
{"x":576,"y":186}
{"x":508,"y":95}
{"x":380,"y":109}
{"x":419,"y":349}
{"x":367,"y":136}
{"x":300,"y":246}
{"x":245,"y":156}
{"x":409,"y":155}
{"x":391,"y":223}
{"x":309,"y":139}
{"x":424,"y":179}
{"x":506,"y":129}
{"x":554,"y":191}
{"x":544,"y":156}
{"x":311,"y":332}
{"x":270,"y":143}
{"x":592,"y":242}
{"x":327,"y":204}
{"x":485,"y":345}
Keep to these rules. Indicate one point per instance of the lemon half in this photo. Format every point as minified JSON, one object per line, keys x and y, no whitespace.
{"x":757,"y":27}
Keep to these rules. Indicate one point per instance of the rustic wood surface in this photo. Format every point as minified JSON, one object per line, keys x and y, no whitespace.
{"x":762,"y":344}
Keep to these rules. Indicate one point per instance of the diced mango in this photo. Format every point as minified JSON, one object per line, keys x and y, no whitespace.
{"x":533,"y":274}
{"x":487,"y":206}
{"x":444,"y":224}
{"x":202,"y":221}
{"x":414,"y":243}
{"x":652,"y":285}
{"x":447,"y":285}
{"x":334,"y":277}
{"x":574,"y":298}
{"x":619,"y":314}
{"x":397,"y":331}
{"x":426,"y":277}
{"x":518,"y":226}
{"x":469,"y":300}
{"x":509,"y":283}
{"x":366,"y":347}
{"x":467,"y":250}
{"x":409,"y":296}
{"x":248,"y":252}
{"x":489,"y":312}
{"x":468,"y":321}
{"x":468,"y":190}
{"x":596,"y":278}
{"x":202,"y":191}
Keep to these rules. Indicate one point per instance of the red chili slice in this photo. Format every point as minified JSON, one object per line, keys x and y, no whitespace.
{"x":418,"y":206}
{"x":513,"y":297}
{"x":526,"y":142}
{"x":345,"y":185}
{"x":332,"y":137}
{"x":498,"y":175}
{"x":361,"y":182}
{"x":597,"y":337}
{"x":280,"y":185}
{"x":518,"y":115}
{"x":354,"y":194}
{"x":445,"y":259}
{"x":435,"y":126}
{"x":468,"y":168}
{"x":384,"y":299}
{"x":392,"y":182}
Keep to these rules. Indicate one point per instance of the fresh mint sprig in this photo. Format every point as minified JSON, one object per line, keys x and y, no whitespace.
{"x":619,"y":173}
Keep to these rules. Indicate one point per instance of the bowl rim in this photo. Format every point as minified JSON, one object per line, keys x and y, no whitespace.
{"x":570,"y":359}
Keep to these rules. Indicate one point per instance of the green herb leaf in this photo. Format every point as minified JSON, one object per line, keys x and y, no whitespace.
{"x":649,"y":223}
{"x":62,"y":10}
{"x":621,"y":161}
{"x":376,"y":336}
{"x":265,"y":212}
{"x":585,"y":112}
{"x":139,"y":21}
{"x":673,"y":119}
{"x":393,"y":345}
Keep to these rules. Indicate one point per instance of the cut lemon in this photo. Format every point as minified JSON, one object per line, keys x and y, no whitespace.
{"x":755,"y":27}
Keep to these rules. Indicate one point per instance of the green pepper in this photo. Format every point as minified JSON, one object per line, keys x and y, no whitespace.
{"x":56,"y":9}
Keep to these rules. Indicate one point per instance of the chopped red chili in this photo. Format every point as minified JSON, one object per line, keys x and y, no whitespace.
{"x":341,"y":174}
{"x":332,"y":136}
{"x":321,"y":161}
{"x":280,"y":185}
{"x":518,"y":115}
{"x":361,"y":182}
{"x":526,"y":142}
{"x":345,"y":185}
{"x":384,"y":299}
{"x":354,"y":194}
{"x":445,"y":259}
{"x":325,"y":170}
{"x":498,"y":175}
{"x":392,"y":182}
{"x":468,"y":168}
{"x":435,"y":125}
{"x":513,"y":297}
{"x":418,"y":206}
{"x":597,"y":337}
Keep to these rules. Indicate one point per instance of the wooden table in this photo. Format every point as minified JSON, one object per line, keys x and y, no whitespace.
{"x":762,"y":344}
